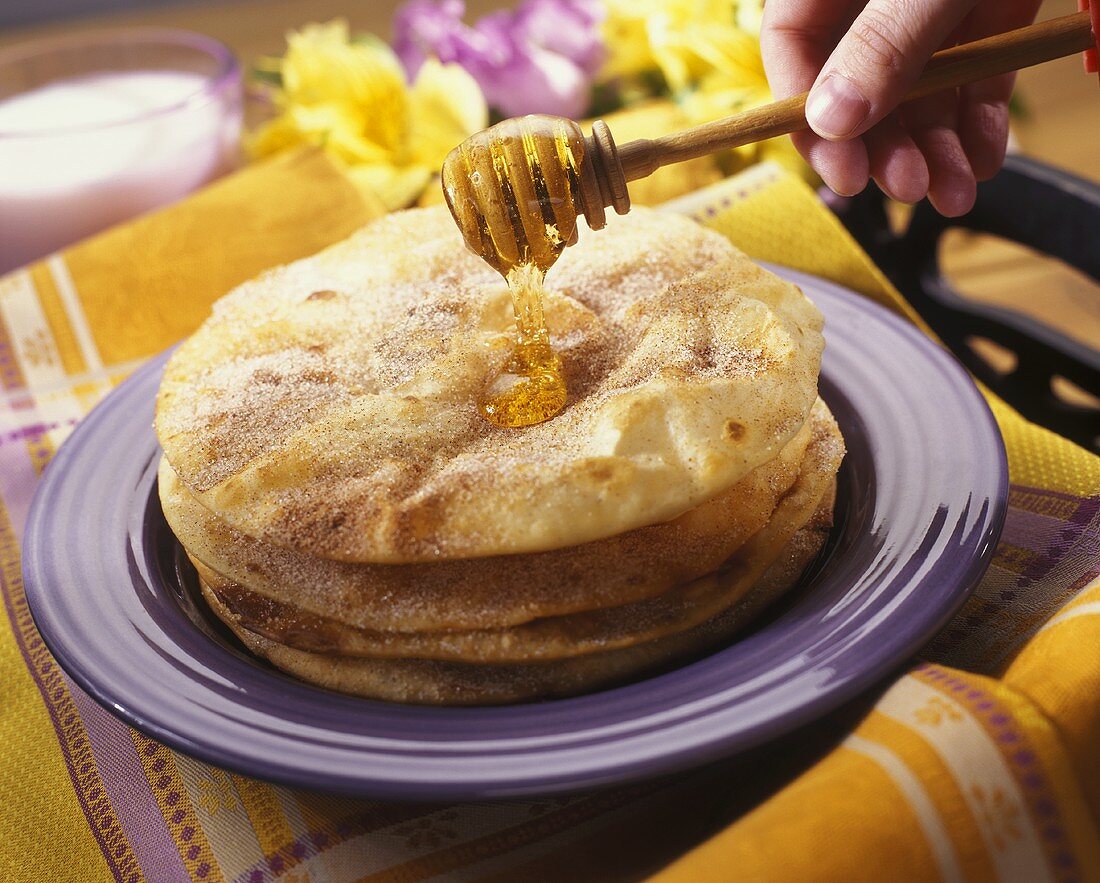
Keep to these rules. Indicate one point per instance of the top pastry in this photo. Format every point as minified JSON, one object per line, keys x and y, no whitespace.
{"x":328,"y":406}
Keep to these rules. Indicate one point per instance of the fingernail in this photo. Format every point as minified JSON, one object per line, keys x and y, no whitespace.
{"x":836,"y":107}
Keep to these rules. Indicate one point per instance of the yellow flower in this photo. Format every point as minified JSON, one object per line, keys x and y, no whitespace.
{"x":684,"y":39}
{"x":749,"y":15}
{"x":351,"y":99}
{"x":708,"y":52}
{"x":626,"y":36}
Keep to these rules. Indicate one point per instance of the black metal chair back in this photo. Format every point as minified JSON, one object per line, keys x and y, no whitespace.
{"x":1035,"y":205}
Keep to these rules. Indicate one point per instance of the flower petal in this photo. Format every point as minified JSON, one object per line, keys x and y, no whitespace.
{"x":445,"y":107}
{"x":396,"y":186}
{"x":539,"y":58}
{"x":323,"y":67}
{"x":528,"y":78}
{"x":425,"y":29}
{"x":570,"y":28}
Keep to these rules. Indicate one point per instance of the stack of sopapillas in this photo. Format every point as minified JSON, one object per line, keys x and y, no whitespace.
{"x":353,"y":519}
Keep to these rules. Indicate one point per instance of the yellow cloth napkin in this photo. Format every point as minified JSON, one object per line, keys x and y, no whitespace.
{"x":980,"y":763}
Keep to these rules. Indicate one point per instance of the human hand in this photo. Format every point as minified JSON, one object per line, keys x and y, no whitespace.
{"x":861,"y":57}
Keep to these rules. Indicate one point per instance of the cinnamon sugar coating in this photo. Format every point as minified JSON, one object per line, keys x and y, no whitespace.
{"x":328,"y":407}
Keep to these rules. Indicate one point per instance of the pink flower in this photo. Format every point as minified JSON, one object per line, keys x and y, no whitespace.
{"x":539,"y":58}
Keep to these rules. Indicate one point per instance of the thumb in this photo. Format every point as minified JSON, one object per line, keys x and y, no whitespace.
{"x":877,"y":61}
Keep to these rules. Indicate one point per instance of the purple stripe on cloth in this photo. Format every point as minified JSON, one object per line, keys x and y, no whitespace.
{"x":17,"y":485}
{"x":1065,"y":551}
{"x":17,"y":482}
{"x":272,"y":867}
{"x":1069,"y":526}
{"x":998,"y":719}
{"x":1018,"y":493}
{"x":1050,"y":537}
{"x":35,"y":430}
{"x":129,"y":792}
{"x":1049,"y":550}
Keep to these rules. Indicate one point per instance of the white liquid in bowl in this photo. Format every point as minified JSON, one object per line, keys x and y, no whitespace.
{"x":79,"y":155}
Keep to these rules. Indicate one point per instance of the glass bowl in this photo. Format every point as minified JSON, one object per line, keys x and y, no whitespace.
{"x":98,"y":127}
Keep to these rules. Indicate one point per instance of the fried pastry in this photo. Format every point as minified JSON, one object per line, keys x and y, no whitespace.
{"x":501,"y":591}
{"x":429,"y":682}
{"x":554,"y":637}
{"x":326,"y":406}
{"x":354,"y":520}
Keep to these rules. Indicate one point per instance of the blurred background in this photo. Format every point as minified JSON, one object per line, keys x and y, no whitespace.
{"x":1058,"y":121}
{"x":1062,"y":106}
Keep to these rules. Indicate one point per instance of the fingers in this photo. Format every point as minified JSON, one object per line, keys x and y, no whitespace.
{"x":941,"y":145}
{"x":883,"y":46}
{"x":843,"y":165}
{"x":877,"y":61}
{"x":932,"y":123}
{"x":983,"y":106}
{"x":896,"y":163}
{"x":983,"y":124}
{"x":796,"y":37}
{"x":795,"y":40}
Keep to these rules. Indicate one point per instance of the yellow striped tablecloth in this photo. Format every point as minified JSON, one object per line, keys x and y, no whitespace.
{"x":981,"y":762}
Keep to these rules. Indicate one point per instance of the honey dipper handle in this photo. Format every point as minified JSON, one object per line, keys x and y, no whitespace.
{"x":948,"y":68}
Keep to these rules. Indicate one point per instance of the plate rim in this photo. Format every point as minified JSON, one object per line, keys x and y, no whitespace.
{"x":678,"y":756}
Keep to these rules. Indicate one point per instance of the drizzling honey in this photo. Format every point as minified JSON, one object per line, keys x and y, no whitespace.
{"x":511,"y":190}
{"x":530,"y":388}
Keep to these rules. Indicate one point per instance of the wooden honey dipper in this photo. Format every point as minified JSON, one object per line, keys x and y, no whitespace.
{"x":517,"y":188}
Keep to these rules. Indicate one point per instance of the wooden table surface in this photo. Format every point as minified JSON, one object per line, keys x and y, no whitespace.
{"x":1062,"y":127}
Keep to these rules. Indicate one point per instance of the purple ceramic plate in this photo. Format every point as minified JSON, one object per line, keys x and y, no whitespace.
{"x":922,"y":500}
